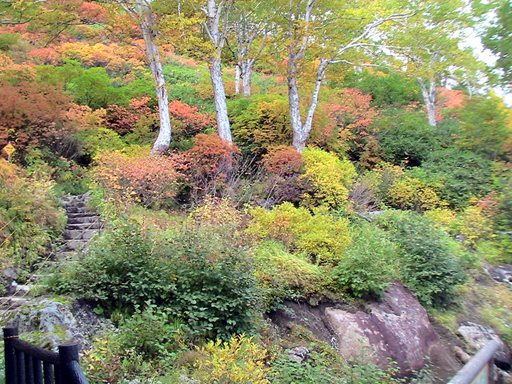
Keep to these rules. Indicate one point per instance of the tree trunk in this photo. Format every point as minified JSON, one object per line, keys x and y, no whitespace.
{"x":247,"y":68}
{"x":215,"y":13}
{"x":237,"y":79}
{"x":147,"y":23}
{"x":429,"y":95}
{"x":301,"y":130}
{"x":219,"y":94}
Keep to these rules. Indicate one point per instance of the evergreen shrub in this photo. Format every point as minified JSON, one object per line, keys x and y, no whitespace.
{"x":426,"y":258}
{"x":202,"y":278}
{"x":369,"y":263}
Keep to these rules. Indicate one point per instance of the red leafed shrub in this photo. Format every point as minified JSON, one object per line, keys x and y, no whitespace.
{"x":45,"y":55}
{"x":124,"y":120}
{"x":212,"y":162}
{"x":30,"y":113}
{"x":350,"y":127}
{"x":140,"y":178}
{"x":187,"y":119}
{"x":283,"y":160}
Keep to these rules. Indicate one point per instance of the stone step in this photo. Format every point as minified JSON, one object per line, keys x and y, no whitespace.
{"x":20,"y":289}
{"x":74,"y":209}
{"x":84,"y":219}
{"x":83,"y":226}
{"x":81,"y":214}
{"x":66,"y":254}
{"x":79,"y":234}
{"x":88,"y":234}
{"x":75,"y":245}
{"x":38,"y":276}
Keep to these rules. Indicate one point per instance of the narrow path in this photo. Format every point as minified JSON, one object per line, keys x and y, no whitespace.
{"x":82,"y":225}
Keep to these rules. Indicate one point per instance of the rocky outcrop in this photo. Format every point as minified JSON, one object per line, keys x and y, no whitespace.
{"x":477,"y":336}
{"x":47,"y":322}
{"x":395,"y":328}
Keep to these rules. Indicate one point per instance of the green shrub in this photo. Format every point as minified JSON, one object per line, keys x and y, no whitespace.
{"x":203,"y":279}
{"x":30,"y":216}
{"x":428,"y":265}
{"x":462,"y":174}
{"x":282,"y":275}
{"x":144,"y":347}
{"x":319,"y":235}
{"x":314,"y":370}
{"x":369,"y":263}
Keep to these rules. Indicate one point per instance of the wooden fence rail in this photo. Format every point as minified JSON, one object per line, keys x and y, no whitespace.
{"x":27,"y":364}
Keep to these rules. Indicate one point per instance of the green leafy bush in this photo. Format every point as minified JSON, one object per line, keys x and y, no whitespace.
{"x":369,"y":263}
{"x":144,"y":346}
{"x":282,"y":275}
{"x":30,"y":216}
{"x":319,"y":235}
{"x":203,"y":278}
{"x":462,"y":174}
{"x":313,"y":370}
{"x":428,"y":265}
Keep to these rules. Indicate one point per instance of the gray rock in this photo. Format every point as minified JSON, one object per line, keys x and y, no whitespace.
{"x":48,"y":323}
{"x":396,"y":328}
{"x":477,"y":336}
{"x":299,"y":354}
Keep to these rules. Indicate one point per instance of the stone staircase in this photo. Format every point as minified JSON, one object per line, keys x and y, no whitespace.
{"x":82,"y":225}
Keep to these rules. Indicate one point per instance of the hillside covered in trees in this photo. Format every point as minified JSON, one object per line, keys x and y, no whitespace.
{"x":243,"y":155}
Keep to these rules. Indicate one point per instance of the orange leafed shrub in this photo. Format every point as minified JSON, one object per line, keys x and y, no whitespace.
{"x":212,"y":162}
{"x":124,"y":120}
{"x":283,"y":160}
{"x":189,"y":120}
{"x":140,"y":178}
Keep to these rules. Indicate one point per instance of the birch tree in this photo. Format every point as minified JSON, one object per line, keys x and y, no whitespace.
{"x":330,"y":34}
{"x":56,"y":16}
{"x":200,"y":28}
{"x":215,"y":26}
{"x":251,"y":30}
{"x":429,"y":49}
{"x":142,"y":13}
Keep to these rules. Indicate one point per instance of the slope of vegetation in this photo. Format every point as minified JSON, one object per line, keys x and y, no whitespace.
{"x":203,"y":240}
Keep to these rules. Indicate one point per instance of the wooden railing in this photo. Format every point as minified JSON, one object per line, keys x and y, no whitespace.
{"x":28,"y":364}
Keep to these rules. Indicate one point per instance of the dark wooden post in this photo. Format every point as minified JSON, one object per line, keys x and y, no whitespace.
{"x":38,"y":371}
{"x":10,"y":355}
{"x":49,"y":377}
{"x":29,"y":369}
{"x":70,"y":368}
{"x":20,"y":367}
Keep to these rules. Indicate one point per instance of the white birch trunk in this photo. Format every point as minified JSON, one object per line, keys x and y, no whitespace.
{"x":429,"y":96}
{"x":237,"y":79}
{"x":247,"y":69}
{"x":219,"y":95}
{"x":301,"y":130}
{"x":214,"y":13}
{"x":148,"y":24}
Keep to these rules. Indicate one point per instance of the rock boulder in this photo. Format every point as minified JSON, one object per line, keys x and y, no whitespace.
{"x":395,"y":328}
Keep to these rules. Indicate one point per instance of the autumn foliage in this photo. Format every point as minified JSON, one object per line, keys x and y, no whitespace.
{"x":212,"y":162}
{"x":30,"y":113}
{"x":139,"y":178}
